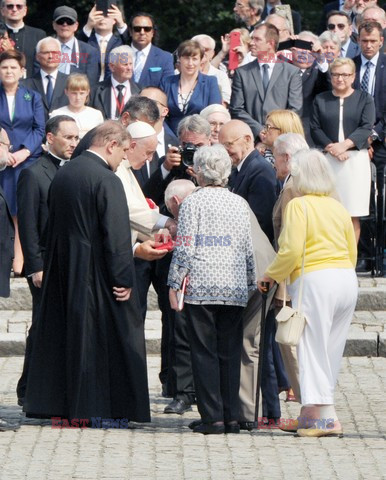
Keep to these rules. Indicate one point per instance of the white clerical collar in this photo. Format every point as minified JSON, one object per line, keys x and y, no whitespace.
{"x":58,"y":158}
{"x":15,"y":30}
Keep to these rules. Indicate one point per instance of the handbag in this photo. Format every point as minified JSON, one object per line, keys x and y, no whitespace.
{"x":290,"y":321}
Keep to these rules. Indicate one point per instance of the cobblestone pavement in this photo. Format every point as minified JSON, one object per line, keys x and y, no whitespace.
{"x":167,"y":449}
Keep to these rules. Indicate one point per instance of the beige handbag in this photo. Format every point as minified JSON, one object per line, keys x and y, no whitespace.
{"x":291,"y":322}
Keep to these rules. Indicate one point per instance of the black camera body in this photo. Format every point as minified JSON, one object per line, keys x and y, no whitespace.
{"x":187,"y":153}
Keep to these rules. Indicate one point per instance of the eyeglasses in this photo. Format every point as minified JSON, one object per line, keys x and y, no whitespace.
{"x":343,"y":75}
{"x":139,"y":28}
{"x":340,"y":26}
{"x":11,"y":6}
{"x":267,"y":128}
{"x":230,"y":144}
{"x":67,"y":21}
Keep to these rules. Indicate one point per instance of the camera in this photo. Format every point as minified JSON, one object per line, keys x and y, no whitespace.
{"x":187,"y":153}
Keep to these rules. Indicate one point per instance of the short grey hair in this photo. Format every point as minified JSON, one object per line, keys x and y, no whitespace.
{"x":290,"y":143}
{"x":195,"y":124}
{"x":48,"y":39}
{"x":213,"y":165}
{"x":203,"y":36}
{"x":121,"y":54}
{"x":180,"y":188}
{"x":328,"y":36}
{"x":312,"y":173}
{"x":307,"y":34}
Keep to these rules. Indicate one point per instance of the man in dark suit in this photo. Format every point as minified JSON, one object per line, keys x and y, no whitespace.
{"x":25,"y":37}
{"x":111,"y":95}
{"x":62,"y":136}
{"x":270,"y":8}
{"x":371,"y":77}
{"x":151,"y":64}
{"x":339,"y":5}
{"x":48,"y":81}
{"x":77,"y":56}
{"x":376,"y":14}
{"x":265,"y":84}
{"x":340,"y":24}
{"x":98,"y":33}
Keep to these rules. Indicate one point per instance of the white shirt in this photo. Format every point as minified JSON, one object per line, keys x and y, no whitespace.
{"x":145,"y":51}
{"x":68,"y":54}
{"x":373,"y":61}
{"x":45,"y":79}
{"x":223,"y":82}
{"x":114,"y":95}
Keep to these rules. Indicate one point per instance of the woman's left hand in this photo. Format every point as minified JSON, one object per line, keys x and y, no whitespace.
{"x":173,"y":300}
{"x":19,"y":157}
{"x":265,"y":279}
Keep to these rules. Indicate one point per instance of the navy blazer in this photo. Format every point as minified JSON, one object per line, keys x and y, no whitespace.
{"x":206,"y":92}
{"x":115,"y":41}
{"x":159,"y":65}
{"x":379,"y":91}
{"x":25,"y":130}
{"x":256,"y":183}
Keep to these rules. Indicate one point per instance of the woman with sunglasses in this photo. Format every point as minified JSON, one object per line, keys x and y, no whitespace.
{"x":341,"y":125}
{"x":190,"y":91}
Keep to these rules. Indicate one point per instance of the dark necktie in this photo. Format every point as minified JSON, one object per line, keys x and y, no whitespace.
{"x":119,"y":100}
{"x":366,"y":78}
{"x":265,"y":77}
{"x":233,"y":178}
{"x":50,"y":90}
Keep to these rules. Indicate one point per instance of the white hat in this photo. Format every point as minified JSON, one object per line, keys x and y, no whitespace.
{"x":140,"y":130}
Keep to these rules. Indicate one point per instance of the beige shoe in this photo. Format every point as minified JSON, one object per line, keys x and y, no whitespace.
{"x":290,"y":425}
{"x":320,"y":432}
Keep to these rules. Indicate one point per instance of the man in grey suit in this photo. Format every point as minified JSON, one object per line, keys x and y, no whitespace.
{"x":265,"y":84}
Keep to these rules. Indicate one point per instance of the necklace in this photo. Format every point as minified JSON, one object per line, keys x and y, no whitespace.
{"x":184,"y":98}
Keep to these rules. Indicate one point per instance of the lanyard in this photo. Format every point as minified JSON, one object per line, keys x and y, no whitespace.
{"x":119,"y":105}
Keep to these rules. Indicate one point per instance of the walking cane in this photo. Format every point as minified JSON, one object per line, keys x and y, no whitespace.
{"x":264,"y":295}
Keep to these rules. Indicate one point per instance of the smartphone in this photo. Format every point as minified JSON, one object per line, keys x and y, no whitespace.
{"x":303,"y":44}
{"x":286,"y":45}
{"x":235,"y":41}
{"x":104,"y":5}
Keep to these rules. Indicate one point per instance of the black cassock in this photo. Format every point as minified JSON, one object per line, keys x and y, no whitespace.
{"x":89,"y":357}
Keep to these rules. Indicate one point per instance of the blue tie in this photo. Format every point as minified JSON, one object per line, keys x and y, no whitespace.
{"x":366,"y":78}
{"x":50,"y":90}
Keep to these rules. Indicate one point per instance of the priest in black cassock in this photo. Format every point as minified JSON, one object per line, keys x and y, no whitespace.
{"x":89,"y":359}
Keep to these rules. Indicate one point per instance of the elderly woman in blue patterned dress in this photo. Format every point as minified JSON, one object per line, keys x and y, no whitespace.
{"x":214,"y":250}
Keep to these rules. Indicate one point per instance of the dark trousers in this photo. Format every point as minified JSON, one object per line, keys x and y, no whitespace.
{"x":216,"y":335}
{"x":36,"y":298}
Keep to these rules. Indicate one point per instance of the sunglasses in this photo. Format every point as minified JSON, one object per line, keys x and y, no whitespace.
{"x":341,"y":26}
{"x":11,"y":6}
{"x":62,"y":21}
{"x":139,"y":28}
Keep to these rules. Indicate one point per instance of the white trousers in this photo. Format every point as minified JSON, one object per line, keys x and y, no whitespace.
{"x":329,"y":299}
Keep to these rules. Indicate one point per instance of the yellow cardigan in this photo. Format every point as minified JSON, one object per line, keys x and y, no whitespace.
{"x":330,"y":238}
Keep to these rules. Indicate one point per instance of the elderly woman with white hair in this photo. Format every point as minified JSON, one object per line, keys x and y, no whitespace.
{"x":217,"y":116}
{"x":319,"y":226}
{"x":214,"y":251}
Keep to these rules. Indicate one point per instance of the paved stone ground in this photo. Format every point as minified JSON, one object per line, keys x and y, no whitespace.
{"x":167,"y":450}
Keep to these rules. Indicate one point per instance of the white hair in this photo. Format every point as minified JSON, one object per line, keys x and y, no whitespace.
{"x":328,"y":36}
{"x":290,"y":143}
{"x":180,"y":188}
{"x":195,"y":124}
{"x":213,"y":165}
{"x":214,"y":108}
{"x":312,"y":173}
{"x":203,"y":36}
{"x":121,"y":54}
{"x":305,"y":34}
{"x":47,"y":39}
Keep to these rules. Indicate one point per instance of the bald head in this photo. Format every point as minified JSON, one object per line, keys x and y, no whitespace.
{"x":159,"y":97}
{"x":175,"y":194}
{"x":237,"y":138}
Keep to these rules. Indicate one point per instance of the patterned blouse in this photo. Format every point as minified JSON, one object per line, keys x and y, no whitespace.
{"x":214,"y":248}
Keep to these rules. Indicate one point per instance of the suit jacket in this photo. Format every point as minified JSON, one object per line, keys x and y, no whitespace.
{"x":7,"y":238}
{"x":248,"y":102}
{"x":353,"y":50}
{"x":256,"y":183}
{"x":296,"y":19}
{"x":358,"y":118}
{"x":206,"y":92}
{"x":100,"y":96}
{"x":159,"y":65}
{"x":59,"y":99}
{"x":25,"y":41}
{"x":379,"y":91}
{"x":32,"y":197}
{"x":115,"y":41}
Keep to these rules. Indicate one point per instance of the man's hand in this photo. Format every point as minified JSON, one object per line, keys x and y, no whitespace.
{"x":93,"y":17}
{"x":18,"y":157}
{"x":146,"y":251}
{"x":172,"y":158}
{"x":171,"y":225}
{"x":121,"y":294}
{"x":114,"y":13}
{"x":37,"y":279}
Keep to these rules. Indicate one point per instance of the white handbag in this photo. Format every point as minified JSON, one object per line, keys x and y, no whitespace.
{"x":291,"y":322}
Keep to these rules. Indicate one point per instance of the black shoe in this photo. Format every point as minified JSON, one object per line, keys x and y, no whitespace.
{"x":194,"y":424}
{"x":5,"y":426}
{"x":232,"y":428}
{"x":209,"y":429}
{"x":178,"y":407}
{"x":165,"y":392}
{"x":20,"y":401}
{"x":248,"y":426}
{"x":363,"y":266}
